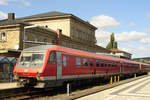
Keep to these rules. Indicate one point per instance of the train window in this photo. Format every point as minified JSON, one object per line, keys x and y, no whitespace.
{"x":97,"y":63}
{"x":102,"y":64}
{"x":109,"y":65}
{"x":64,"y":61}
{"x":114,"y":65}
{"x":52,"y":58}
{"x":91,"y":63}
{"x":105,"y":64}
{"x":78,"y":61}
{"x":85,"y":63}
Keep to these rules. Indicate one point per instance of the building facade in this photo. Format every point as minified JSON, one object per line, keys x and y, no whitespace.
{"x":121,"y":54}
{"x":47,"y":28}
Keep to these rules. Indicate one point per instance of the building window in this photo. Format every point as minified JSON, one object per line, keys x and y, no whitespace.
{"x":35,"y":37}
{"x":26,"y":38}
{"x":64,"y":61}
{"x":45,"y":40}
{"x":78,"y":62}
{"x":3,"y":36}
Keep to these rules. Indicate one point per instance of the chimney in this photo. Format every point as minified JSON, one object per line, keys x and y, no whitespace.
{"x":59,"y":33}
{"x":11,"y":16}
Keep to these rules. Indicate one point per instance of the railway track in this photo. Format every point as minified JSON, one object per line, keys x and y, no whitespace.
{"x":17,"y":93}
{"x":25,"y":94}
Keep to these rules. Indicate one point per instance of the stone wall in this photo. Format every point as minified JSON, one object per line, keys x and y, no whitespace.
{"x":70,"y":27}
{"x":39,"y":36}
{"x":12,"y":38}
{"x":82,"y":32}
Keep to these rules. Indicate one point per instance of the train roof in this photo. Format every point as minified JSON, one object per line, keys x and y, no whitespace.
{"x":90,"y":54}
{"x":40,"y":48}
{"x":43,"y":48}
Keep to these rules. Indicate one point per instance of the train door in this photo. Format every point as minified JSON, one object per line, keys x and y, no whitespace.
{"x":121,"y":67}
{"x":51,"y":65}
{"x":59,"y":65}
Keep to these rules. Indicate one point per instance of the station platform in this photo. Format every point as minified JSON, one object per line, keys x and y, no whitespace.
{"x":135,"y":90}
{"x":10,"y":85}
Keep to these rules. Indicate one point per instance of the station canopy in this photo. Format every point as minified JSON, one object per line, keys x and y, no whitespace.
{"x":8,"y":60}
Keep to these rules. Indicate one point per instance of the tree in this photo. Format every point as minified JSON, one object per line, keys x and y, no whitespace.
{"x":112,"y":37}
{"x":112,"y":43}
{"x":109,"y":46}
{"x":115,"y":45}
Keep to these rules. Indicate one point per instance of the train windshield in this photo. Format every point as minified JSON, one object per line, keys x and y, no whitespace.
{"x":32,"y":57}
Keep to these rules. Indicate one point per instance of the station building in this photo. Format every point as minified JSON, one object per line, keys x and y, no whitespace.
{"x":47,"y":28}
{"x":121,"y":54}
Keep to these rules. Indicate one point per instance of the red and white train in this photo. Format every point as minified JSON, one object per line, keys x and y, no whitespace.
{"x":51,"y":65}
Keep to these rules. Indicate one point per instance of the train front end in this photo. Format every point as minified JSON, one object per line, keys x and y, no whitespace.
{"x":29,"y":67}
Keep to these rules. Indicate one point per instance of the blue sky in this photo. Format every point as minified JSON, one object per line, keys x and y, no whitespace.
{"x":128,"y":19}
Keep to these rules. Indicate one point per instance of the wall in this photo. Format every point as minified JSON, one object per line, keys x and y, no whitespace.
{"x":39,"y":36}
{"x":63,"y":24}
{"x":82,"y":32}
{"x":12,"y":38}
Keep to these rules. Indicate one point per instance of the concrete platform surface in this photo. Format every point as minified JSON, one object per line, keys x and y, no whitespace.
{"x":11,"y":85}
{"x":135,"y":90}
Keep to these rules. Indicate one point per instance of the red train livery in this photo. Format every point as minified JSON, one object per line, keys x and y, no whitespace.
{"x":52,"y":65}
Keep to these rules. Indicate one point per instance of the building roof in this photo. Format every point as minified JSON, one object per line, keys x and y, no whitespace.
{"x":8,"y":22}
{"x":54,"y":14}
{"x":47,"y":14}
{"x":118,"y":51}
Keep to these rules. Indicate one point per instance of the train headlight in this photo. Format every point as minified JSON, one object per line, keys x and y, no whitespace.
{"x":16,"y":76}
{"x":38,"y":76}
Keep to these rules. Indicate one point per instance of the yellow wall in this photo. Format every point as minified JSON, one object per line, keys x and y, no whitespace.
{"x":12,"y":38}
{"x":63,"y":24}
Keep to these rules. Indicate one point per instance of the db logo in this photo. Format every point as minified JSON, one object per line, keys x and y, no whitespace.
{"x":26,"y":70}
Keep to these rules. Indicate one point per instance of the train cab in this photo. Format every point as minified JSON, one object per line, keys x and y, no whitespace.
{"x":35,"y":64}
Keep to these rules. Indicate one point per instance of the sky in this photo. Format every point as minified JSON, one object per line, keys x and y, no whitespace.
{"x":128,"y":19}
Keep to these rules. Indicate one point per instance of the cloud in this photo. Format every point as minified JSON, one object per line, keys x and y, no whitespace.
{"x":137,"y":51}
{"x":3,"y":15}
{"x":131,"y":24}
{"x":148,"y":15}
{"x":145,"y":40}
{"x":131,"y":40}
{"x":104,"y":22}
{"x":103,"y":37}
{"x":26,"y":3}
{"x":132,"y":36}
{"x":8,"y":2}
{"x":147,"y":29}
{"x":3,"y":2}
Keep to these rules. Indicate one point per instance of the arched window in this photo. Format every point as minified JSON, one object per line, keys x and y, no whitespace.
{"x":3,"y":36}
